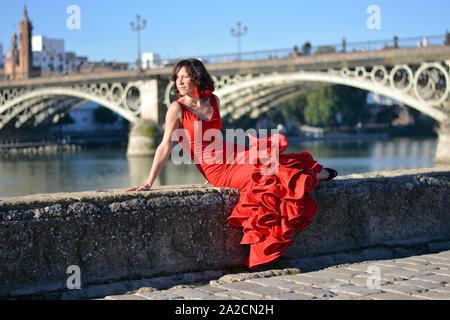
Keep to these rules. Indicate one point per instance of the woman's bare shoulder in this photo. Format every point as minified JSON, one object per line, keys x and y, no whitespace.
{"x":174,"y":111}
{"x":175,"y":107}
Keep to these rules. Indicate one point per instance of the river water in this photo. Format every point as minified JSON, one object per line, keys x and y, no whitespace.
{"x":99,"y":169}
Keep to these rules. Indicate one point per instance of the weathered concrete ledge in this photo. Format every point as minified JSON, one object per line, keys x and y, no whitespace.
{"x":112,"y":235}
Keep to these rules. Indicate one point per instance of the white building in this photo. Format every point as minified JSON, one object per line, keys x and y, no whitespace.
{"x":1,"y":55}
{"x":150,"y":60}
{"x":48,"y":54}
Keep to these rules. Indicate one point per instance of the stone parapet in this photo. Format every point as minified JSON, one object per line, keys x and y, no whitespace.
{"x":112,"y":235}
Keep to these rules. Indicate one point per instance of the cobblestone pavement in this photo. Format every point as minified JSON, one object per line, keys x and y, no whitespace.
{"x":411,"y":278}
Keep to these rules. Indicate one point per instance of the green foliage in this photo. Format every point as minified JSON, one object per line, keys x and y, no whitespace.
{"x":104,"y":115}
{"x":319,"y":107}
{"x":150,"y":131}
{"x":294,"y":108}
{"x":352,"y":105}
{"x":244,"y":122}
{"x":275,"y":115}
{"x":144,"y":127}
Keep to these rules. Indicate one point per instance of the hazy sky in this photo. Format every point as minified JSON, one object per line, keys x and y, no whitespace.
{"x":195,"y":28}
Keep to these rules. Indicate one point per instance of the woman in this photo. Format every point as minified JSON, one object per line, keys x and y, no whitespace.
{"x":275,"y":193}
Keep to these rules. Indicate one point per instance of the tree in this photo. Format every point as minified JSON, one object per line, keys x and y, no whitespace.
{"x":352,"y":104}
{"x":294,"y":108}
{"x":67,"y":119}
{"x":275,"y":115}
{"x":387,"y":115}
{"x":321,"y":107}
{"x":104,"y":115}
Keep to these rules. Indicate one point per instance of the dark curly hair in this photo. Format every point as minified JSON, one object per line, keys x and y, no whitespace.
{"x":196,"y":71}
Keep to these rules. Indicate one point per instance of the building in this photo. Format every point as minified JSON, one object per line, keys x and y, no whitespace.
{"x":18,"y":61}
{"x":74,"y":63}
{"x":104,"y":66}
{"x":150,"y":60}
{"x":77,"y":64}
{"x":48,"y":54}
{"x":1,"y":56}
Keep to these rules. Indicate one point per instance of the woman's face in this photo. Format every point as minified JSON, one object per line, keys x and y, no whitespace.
{"x":184,"y":83}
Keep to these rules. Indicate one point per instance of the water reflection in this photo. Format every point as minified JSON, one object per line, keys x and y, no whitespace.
{"x":171,"y":174}
{"x":358,"y":156}
{"x":110,"y":169}
{"x":62,"y":172}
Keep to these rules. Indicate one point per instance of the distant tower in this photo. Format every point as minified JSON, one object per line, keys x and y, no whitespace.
{"x":25,"y":51}
{"x":11,"y":61}
{"x":19,"y":59}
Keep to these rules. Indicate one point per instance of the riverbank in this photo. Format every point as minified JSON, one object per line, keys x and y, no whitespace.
{"x":38,"y":147}
{"x":367,"y":132}
{"x":362,"y":136}
{"x":64,"y":144}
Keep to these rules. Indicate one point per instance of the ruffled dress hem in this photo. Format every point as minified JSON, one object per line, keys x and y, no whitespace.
{"x":273,"y":206}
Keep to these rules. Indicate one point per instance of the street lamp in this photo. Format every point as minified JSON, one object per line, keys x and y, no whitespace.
{"x":239,"y":34}
{"x":138,"y":27}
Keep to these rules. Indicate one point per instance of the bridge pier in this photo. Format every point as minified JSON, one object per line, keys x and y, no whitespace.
{"x":443,"y":145}
{"x":141,"y":139}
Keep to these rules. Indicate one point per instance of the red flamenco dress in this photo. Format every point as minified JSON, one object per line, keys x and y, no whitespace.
{"x":272,"y":207}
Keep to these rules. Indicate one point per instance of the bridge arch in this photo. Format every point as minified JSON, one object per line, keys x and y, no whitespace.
{"x":229,"y":94}
{"x":51,"y":94}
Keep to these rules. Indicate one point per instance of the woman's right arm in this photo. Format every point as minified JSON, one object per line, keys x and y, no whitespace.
{"x":172,"y":122}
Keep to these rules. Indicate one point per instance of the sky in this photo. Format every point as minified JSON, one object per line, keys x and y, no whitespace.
{"x":198,"y":28}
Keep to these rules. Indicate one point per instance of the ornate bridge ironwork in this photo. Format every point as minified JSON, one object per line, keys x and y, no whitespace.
{"x":39,"y":103}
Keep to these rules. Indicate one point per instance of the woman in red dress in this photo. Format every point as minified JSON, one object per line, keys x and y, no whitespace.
{"x":275,"y":199}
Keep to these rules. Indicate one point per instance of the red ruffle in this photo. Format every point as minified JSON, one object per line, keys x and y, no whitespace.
{"x":273,"y":207}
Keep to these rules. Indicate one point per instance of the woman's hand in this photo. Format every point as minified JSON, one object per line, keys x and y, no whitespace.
{"x":143,"y":187}
{"x":173,"y":122}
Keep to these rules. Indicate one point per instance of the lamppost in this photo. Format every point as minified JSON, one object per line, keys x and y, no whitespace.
{"x":138,"y":27}
{"x":239,"y":34}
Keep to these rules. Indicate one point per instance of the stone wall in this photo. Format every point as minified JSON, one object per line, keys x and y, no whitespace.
{"x":112,"y":235}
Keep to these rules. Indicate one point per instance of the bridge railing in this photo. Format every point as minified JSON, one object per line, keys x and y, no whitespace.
{"x":294,"y":51}
{"x":305,"y":50}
